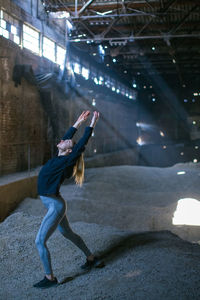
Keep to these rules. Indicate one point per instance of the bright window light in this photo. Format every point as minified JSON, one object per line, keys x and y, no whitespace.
{"x":101,"y":50}
{"x":59,"y":14}
{"x":3,"y":24}
{"x":60,"y":56}
{"x":13,"y":30}
{"x":77,"y":68}
{"x":140,"y":141}
{"x":48,"y":49}
{"x":96,"y":80}
{"x":5,"y":33}
{"x":31,"y":39}
{"x":107,"y":83}
{"x":69,"y":25}
{"x":85,"y":73}
{"x":162,"y":133}
{"x":181,"y":173}
{"x":187,"y":212}
{"x":100,"y":78}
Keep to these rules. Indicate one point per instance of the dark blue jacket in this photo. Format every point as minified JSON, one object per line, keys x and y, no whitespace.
{"x":58,"y":168}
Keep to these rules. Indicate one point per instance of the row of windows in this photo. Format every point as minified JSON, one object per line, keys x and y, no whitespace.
{"x":30,"y":38}
{"x":110,"y":83}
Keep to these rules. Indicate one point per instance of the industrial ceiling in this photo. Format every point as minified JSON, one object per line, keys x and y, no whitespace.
{"x":158,"y":36}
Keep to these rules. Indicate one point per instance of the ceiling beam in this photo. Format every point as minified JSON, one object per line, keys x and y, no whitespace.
{"x":115,"y":4}
{"x":145,"y":37}
{"x":86,"y":5}
{"x":149,"y":4}
{"x":182,"y":21}
{"x":162,"y":10}
{"x":122,"y":27}
{"x":112,"y":16}
{"x":88,"y":29}
{"x":103,"y":34}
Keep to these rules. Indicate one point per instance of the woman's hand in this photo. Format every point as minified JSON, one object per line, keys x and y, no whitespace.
{"x":82,"y":118}
{"x":94,"y":119}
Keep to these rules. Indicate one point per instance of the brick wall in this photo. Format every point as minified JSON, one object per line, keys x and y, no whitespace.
{"x":22,"y":119}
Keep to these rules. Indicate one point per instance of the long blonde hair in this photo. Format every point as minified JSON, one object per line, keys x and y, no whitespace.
{"x":79,"y":170}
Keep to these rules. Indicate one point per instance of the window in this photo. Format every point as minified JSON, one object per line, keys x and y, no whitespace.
{"x":112,"y":86}
{"x":77,"y":68}
{"x":85,"y":73}
{"x":9,"y":27}
{"x":96,"y":80}
{"x":101,"y":79}
{"x":31,"y":39}
{"x":60,"y":56}
{"x":107,"y":81}
{"x":48,"y":49}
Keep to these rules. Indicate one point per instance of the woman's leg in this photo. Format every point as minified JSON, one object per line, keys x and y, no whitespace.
{"x":48,"y":226}
{"x":67,"y":232}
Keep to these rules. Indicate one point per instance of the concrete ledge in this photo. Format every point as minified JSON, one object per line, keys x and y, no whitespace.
{"x":116,"y":158}
{"x":12,"y":193}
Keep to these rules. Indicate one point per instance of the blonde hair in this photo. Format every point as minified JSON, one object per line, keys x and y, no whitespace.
{"x":79,"y":170}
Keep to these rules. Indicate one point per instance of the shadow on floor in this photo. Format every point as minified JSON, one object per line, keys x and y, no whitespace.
{"x":123,"y":245}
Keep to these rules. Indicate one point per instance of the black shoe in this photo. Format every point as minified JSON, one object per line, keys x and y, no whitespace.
{"x":95,"y":263}
{"x":46,"y":283}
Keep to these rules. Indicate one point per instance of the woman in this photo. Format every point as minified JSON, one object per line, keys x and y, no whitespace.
{"x":68,"y":162}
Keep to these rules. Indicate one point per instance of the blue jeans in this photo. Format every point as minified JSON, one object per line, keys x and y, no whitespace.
{"x":55,"y":217}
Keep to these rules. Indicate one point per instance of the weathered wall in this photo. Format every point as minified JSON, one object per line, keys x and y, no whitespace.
{"x":33,"y":120}
{"x":31,"y":125}
{"x":22,"y":119}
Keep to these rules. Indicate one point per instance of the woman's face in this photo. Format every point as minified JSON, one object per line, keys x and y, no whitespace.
{"x":65,"y":144}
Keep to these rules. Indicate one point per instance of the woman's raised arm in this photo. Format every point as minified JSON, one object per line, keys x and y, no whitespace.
{"x":82,"y":118}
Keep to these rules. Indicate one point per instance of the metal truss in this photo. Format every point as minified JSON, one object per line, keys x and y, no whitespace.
{"x":97,"y":22}
{"x":99,"y":38}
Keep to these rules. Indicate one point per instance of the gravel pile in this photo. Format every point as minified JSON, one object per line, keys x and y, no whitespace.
{"x":124,"y":214}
